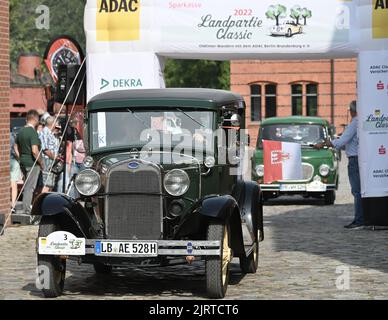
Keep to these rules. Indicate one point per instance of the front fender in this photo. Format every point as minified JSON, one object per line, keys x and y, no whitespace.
{"x":252,"y":208}
{"x":69,"y":214}
{"x":218,"y":207}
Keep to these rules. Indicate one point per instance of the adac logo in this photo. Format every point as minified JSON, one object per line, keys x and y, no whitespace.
{"x":382,"y":151}
{"x":278,"y":156}
{"x":118,"y":20}
{"x":380,"y":19}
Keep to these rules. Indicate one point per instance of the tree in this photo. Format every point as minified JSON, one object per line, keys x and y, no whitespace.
{"x":197,"y":74}
{"x":275,"y":12}
{"x":306,"y":13}
{"x":296,"y":13}
{"x":66,"y":17}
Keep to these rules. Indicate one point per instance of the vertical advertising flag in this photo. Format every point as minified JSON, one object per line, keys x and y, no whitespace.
{"x":282,"y":161}
{"x":373,"y":123}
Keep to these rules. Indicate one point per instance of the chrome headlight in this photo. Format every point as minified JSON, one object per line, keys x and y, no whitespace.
{"x":210,"y":162}
{"x":176,"y":182}
{"x":88,"y":182}
{"x":88,"y":162}
{"x":259,"y":171}
{"x":324,"y":170}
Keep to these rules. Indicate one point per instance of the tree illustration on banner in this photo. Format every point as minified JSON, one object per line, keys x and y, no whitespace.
{"x":296,"y":13}
{"x":306,"y":14}
{"x":275,"y":12}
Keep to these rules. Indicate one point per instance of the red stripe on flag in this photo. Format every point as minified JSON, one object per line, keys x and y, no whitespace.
{"x":273,"y":168}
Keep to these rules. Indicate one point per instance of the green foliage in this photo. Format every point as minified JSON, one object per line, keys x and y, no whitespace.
{"x":306,"y":13}
{"x":197,"y":74}
{"x":66,"y":17}
{"x":275,"y":12}
{"x":296,"y":13}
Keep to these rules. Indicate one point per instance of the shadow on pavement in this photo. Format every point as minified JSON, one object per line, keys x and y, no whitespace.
{"x":319,"y":230}
{"x":167,"y":282}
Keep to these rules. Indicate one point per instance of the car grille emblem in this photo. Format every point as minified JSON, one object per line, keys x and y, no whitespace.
{"x":134,"y":165}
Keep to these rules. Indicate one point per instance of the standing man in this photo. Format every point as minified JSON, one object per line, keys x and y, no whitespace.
{"x":31,"y":163}
{"x":349,"y":141}
{"x":50,"y":148}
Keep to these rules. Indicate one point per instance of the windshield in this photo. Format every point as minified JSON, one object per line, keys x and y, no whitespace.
{"x":305,"y":134}
{"x":155,"y":129}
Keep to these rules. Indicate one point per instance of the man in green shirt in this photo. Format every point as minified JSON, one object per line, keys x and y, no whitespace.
{"x":28,"y":144}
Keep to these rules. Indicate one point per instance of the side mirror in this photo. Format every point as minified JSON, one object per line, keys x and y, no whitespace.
{"x":332,"y":130}
{"x":235,"y":120}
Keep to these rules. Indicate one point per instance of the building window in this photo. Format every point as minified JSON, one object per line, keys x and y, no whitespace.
{"x":263,"y":95}
{"x":270,"y":100}
{"x":300,"y":105}
{"x":255,"y":102}
{"x":297,"y":99}
{"x":312,"y":100}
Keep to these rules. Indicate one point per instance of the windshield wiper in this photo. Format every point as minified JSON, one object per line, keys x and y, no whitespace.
{"x":138,"y":118}
{"x":190,"y":117}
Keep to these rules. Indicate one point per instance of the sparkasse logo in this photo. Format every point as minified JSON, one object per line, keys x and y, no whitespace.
{"x":118,"y":20}
{"x":382,"y":151}
{"x":380,"y":85}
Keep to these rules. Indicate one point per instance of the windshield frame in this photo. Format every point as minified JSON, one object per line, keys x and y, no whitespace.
{"x":259,"y":144}
{"x":127,"y":148}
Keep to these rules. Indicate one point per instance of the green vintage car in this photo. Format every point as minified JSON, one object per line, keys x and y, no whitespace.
{"x":156,"y":190}
{"x":319,"y":167}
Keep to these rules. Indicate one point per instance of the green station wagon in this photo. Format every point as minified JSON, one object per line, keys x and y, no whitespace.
{"x":319,"y":167}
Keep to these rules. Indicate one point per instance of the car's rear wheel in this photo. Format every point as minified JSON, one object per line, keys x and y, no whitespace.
{"x":102,"y":268}
{"x":251,"y":263}
{"x":52,"y":269}
{"x":329,"y":197}
{"x":217,"y":268}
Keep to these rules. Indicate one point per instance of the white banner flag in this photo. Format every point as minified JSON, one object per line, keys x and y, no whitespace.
{"x":373,"y":123}
{"x":123,"y":71}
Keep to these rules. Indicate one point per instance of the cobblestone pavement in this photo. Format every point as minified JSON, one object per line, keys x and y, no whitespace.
{"x":305,"y":246}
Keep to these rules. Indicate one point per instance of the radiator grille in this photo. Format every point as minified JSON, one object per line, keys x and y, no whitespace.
{"x":134,"y":216}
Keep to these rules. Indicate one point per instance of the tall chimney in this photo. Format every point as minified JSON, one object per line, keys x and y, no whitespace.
{"x":29,"y":66}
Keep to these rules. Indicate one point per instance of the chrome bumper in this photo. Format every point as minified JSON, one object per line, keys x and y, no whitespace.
{"x":166,"y":248}
{"x":276,"y":188}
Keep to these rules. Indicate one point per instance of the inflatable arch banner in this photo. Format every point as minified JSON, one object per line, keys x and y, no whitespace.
{"x":127,"y":41}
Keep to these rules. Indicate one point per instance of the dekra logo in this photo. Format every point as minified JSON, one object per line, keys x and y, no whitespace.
{"x":110,"y":6}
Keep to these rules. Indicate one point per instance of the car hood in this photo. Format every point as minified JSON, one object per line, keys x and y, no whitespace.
{"x":307,"y":154}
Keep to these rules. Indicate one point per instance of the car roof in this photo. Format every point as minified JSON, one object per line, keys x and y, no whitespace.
{"x":295,"y":120}
{"x":151,"y":98}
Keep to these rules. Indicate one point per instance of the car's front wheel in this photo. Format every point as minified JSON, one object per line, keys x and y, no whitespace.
{"x":329,"y":197}
{"x":52,"y":269}
{"x":289,"y":33}
{"x":217,"y":268}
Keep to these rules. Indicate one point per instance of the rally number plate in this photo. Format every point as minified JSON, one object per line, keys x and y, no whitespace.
{"x":292,"y":187}
{"x":127,"y":248}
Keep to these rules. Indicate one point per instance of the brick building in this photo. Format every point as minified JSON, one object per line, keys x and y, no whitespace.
{"x":321,"y":88}
{"x":4,"y":108}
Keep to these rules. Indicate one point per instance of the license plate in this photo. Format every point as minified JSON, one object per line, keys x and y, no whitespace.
{"x":292,"y":187}
{"x":127,"y":248}
{"x":316,"y":186}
